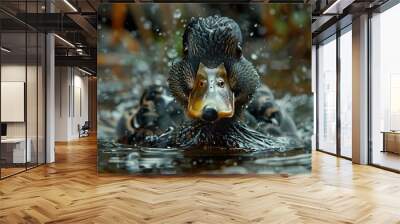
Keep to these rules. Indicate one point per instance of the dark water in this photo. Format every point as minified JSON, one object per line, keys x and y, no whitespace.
{"x":119,"y":158}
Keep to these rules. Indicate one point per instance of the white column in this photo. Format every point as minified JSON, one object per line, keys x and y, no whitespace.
{"x":50,"y":100}
{"x":50,"y":92}
{"x":360,"y":90}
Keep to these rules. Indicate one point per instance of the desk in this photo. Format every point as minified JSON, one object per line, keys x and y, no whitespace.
{"x":16,"y":148}
{"x":391,"y":141}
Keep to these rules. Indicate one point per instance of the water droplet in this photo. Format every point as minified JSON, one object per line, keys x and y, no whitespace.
{"x":254,"y":56}
{"x":272,"y":11}
{"x":172,"y":53}
{"x":252,"y":34}
{"x":255,"y":25}
{"x":177,"y":14}
{"x":262,"y":30}
{"x":262,"y":69}
{"x":147,"y":25}
{"x":134,"y":33}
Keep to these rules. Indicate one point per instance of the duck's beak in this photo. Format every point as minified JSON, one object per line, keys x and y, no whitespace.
{"x":211,"y":97}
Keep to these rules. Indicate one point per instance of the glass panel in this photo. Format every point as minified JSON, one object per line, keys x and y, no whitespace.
{"x":13,"y":86}
{"x":31,"y":88}
{"x":23,"y":82}
{"x":346,"y":94}
{"x":31,"y":98}
{"x":327,"y":96}
{"x":385,"y":84}
{"x":41,"y":98}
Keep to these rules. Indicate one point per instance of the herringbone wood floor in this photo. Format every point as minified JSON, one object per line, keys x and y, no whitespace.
{"x":70,"y":191}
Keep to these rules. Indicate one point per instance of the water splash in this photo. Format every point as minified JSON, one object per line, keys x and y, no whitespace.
{"x":147,"y":25}
{"x":177,"y":14}
{"x":119,"y":158}
{"x":172,"y":53}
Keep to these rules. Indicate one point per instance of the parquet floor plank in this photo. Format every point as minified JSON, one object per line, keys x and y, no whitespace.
{"x":70,"y":191}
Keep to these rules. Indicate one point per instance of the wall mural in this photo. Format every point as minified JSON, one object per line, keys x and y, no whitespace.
{"x":204,"y":89}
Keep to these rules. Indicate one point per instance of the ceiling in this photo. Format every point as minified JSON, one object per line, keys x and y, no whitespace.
{"x":76,"y":25}
{"x":330,"y":15}
{"x":76,"y":22}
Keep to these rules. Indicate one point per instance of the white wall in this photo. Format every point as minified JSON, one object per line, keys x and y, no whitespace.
{"x":12,"y":73}
{"x":71,"y":94}
{"x":80,"y":110}
{"x":16,"y":73}
{"x":62,"y":81}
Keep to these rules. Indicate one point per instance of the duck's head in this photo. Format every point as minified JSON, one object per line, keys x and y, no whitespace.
{"x":213,"y":81}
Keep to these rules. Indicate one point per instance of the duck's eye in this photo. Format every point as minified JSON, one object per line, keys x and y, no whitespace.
{"x":220,"y":83}
{"x":202,"y":83}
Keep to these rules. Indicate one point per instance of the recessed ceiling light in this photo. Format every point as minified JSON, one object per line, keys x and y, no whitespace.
{"x":70,"y":5}
{"x":65,"y":41}
{"x":337,"y":7}
{"x":84,"y":71}
{"x":5,"y":49}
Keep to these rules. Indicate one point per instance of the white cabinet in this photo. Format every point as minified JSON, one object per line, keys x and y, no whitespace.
{"x":17,"y":146}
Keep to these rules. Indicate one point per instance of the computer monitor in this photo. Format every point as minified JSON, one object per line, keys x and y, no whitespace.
{"x":3,"y":129}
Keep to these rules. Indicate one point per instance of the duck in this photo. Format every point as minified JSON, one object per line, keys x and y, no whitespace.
{"x":271,"y":118}
{"x":214,"y":83}
{"x":155,"y":112}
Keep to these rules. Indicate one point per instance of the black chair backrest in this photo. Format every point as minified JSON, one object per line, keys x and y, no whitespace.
{"x":86,"y":125}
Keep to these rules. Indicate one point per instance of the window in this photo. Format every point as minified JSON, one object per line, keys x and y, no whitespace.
{"x":327,"y":96}
{"x":385,"y":89}
{"x":346,"y":92}
{"x":22,"y":75}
